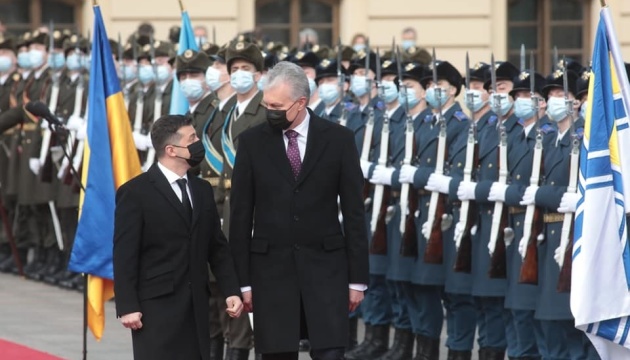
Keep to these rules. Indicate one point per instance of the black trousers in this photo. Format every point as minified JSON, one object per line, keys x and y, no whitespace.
{"x":320,"y":354}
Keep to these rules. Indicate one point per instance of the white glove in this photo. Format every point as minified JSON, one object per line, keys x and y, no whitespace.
{"x":62,"y":171}
{"x":558,"y":255}
{"x":529,"y":198}
{"x":497,"y":192}
{"x":143,"y":142}
{"x":522,"y":245}
{"x":82,"y":132}
{"x":43,"y":123}
{"x":569,"y":201}
{"x":365,"y":168}
{"x":56,"y":153}
{"x":382,"y":175}
{"x":439,"y":183}
{"x":458,"y":233}
{"x":407,"y":173}
{"x":466,"y":190}
{"x":34,"y":165}
{"x":447,"y":222}
{"x":426,"y":230}
{"x":508,"y":236}
{"x":74,"y":123}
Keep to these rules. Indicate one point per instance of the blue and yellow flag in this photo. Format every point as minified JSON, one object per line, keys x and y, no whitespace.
{"x":110,"y":160}
{"x":600,"y":278}
{"x":179,"y":103}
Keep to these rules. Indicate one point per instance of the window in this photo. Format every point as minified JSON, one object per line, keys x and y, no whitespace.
{"x":543,"y":24}
{"x":24,"y":15}
{"x":282,"y":20}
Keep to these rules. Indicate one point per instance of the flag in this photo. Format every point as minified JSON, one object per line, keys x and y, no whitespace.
{"x":109,"y":160}
{"x":179,"y":103}
{"x":600,"y":296}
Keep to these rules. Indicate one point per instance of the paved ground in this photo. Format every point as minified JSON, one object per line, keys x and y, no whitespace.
{"x":50,"y":319}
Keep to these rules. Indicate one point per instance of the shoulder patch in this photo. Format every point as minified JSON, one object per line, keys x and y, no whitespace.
{"x":379,"y":105}
{"x":580,"y":133}
{"x":350,"y":106}
{"x":492,"y":120}
{"x":521,"y":122}
{"x":547,"y":129}
{"x":428,"y":118}
{"x":459,"y":115}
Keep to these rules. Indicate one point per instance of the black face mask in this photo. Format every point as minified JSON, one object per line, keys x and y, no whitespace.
{"x":197,"y":153}
{"x":277,"y":119}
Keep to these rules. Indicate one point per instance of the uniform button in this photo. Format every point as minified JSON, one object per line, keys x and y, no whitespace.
{"x":553,"y":232}
{"x":518,"y":223}
{"x":518,"y":176}
{"x":489,"y":212}
{"x":296,"y":218}
{"x":459,"y":164}
{"x":428,"y":203}
{"x":428,"y":160}
{"x":553,"y":183}
{"x":490,"y":166}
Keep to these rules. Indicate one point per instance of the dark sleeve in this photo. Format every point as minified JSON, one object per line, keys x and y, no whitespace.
{"x":10,"y":118}
{"x":514,"y":194}
{"x":242,"y":210}
{"x":128,"y":225}
{"x":352,"y":209}
{"x":219,"y":254}
{"x":549,"y":196}
{"x":483,"y":190}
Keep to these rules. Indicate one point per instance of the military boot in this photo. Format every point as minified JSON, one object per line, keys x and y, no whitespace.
{"x":377,"y":347}
{"x":428,"y":349}
{"x":8,"y":264}
{"x":39,"y":261}
{"x":352,"y":335}
{"x":495,"y":354}
{"x":238,"y":354}
{"x":53,"y":267}
{"x":359,"y":349}
{"x":402,"y":348}
{"x":459,"y":355}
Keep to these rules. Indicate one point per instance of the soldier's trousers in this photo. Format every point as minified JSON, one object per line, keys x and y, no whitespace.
{"x":216,"y":306}
{"x":460,"y":321}
{"x":35,"y":227}
{"x":490,"y":323}
{"x":377,"y":310}
{"x":564,"y":341}
{"x":523,"y":333}
{"x":68,"y":219}
{"x":400,"y":305}
{"x":238,"y":330}
{"x":425,"y":309}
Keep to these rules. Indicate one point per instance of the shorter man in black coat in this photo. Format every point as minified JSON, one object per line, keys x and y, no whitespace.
{"x":166,"y":231}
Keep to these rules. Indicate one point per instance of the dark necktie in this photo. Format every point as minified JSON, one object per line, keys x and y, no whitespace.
{"x":185,"y":198}
{"x":293,"y":152}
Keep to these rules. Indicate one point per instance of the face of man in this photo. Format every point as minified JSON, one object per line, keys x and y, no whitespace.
{"x":179,"y":148}
{"x":279,"y":97}
{"x":245,"y":66}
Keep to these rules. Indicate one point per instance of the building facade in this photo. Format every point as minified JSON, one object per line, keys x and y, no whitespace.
{"x":453,"y":27}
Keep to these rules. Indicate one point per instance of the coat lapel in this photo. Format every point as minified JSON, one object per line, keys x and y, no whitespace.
{"x":315,"y":145}
{"x":197,"y":200}
{"x":159,"y":181}
{"x":278,"y":153}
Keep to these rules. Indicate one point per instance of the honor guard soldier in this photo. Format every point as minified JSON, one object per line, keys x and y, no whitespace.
{"x":489,"y":286}
{"x":308,"y":61}
{"x":244,"y":65}
{"x":581,"y":89}
{"x":329,"y":91}
{"x":128,"y":75}
{"x":141,"y":101}
{"x":270,"y":60}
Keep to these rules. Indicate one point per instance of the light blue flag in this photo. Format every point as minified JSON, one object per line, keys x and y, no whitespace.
{"x":179,"y":103}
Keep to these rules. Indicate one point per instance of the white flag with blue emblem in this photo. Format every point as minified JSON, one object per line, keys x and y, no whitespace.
{"x":600,"y":296}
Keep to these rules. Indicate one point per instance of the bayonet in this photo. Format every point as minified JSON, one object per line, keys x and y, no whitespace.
{"x":555,"y":58}
{"x":523,"y":66}
{"x":152,"y":54}
{"x":341,"y":79}
{"x":367,"y":68}
{"x":378,"y":72}
{"x":214,"y":34}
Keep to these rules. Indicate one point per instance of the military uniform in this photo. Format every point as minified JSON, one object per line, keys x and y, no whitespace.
{"x":332,"y":111}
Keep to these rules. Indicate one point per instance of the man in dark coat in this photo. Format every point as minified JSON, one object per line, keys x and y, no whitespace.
{"x":302,"y":269}
{"x":166,"y":231}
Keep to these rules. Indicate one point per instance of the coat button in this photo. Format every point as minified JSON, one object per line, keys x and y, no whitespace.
{"x":296,"y":191}
{"x":296,"y":247}
{"x":296,"y":218}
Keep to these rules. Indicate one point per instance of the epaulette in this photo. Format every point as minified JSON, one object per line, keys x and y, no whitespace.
{"x":459,"y":115}
{"x":349,"y":106}
{"x":428,"y":118}
{"x":547,"y":129}
{"x":521,"y":122}
{"x":580,"y":133}
{"x":380,"y":105}
{"x":492,"y":120}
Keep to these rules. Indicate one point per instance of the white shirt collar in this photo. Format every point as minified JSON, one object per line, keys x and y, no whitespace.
{"x":39,"y":72}
{"x":528,"y":128}
{"x":3,"y":78}
{"x":302,"y":129}
{"x":561,"y":135}
{"x":392,"y":111}
{"x":171,"y":177}
{"x":243,"y":105}
{"x":314,"y":104}
{"x":224,"y":101}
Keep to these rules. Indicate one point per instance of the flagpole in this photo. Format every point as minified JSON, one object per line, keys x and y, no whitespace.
{"x":181,"y":6}
{"x":603,"y":3}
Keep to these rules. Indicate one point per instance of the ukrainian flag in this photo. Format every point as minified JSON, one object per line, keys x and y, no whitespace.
{"x":110,"y":159}
{"x":600,"y":296}
{"x":179,"y":103}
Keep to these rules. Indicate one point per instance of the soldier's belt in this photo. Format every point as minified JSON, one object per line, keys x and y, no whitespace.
{"x":12,"y":130}
{"x":395,"y":194}
{"x":30,"y":127}
{"x":423,"y":192}
{"x":553,"y":218}
{"x":227,"y":183}
{"x":214,"y":181}
{"x":513,"y":210}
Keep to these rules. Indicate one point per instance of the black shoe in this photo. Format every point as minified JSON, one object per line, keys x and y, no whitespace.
{"x":238,"y":354}
{"x":8,"y":265}
{"x":378,"y":345}
{"x":428,"y":349}
{"x":494,"y":354}
{"x":402,"y":348}
{"x":367,"y":339}
{"x":352,"y":335}
{"x":459,"y":355}
{"x":35,"y":266}
{"x":216,"y":348}
{"x":304,"y":346}
{"x":53,"y":267}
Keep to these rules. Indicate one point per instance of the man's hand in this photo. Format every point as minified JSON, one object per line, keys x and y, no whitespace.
{"x":247,"y":301}
{"x":132,"y":321}
{"x":234,"y":306}
{"x":355,"y":299}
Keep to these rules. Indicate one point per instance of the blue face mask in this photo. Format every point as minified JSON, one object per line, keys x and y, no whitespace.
{"x":37,"y":58}
{"x":476,"y":102}
{"x":87,"y":62}
{"x":312,"y":87}
{"x":358,"y":85}
{"x":242,"y":81}
{"x":5,"y":63}
{"x":329,"y":93}
{"x":163,"y":74}
{"x":410,"y":100}
{"x":556,"y":108}
{"x":407,"y":44}
{"x":433,"y":100}
{"x":24,"y":60}
{"x":56,"y":61}
{"x":128,"y":73}
{"x":358,"y":47}
{"x":262,"y":83}
{"x":200,"y":40}
{"x":146,"y":74}
{"x":390,"y":93}
{"x":505,"y":102}
{"x":192,"y":89}
{"x":523,"y":108}
{"x":213,"y":79}
{"x":73,"y":62}
{"x":583,"y":109}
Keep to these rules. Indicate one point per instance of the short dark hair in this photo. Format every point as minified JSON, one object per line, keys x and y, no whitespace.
{"x":164,"y":131}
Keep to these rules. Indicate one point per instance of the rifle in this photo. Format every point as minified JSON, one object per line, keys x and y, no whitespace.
{"x":157,"y":106}
{"x":45,"y":159}
{"x":563,"y":254}
{"x":341,"y":77}
{"x":433,"y":253}
{"x":496,"y":244}
{"x":378,"y":225}
{"x":408,"y":231}
{"x":467,"y":216}
{"x":369,"y":127}
{"x":137,"y":123}
{"x":533,"y":218}
{"x":122,"y":66}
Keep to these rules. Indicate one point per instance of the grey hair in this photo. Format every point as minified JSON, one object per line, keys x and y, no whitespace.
{"x":291,"y":74}
{"x":310,"y":35}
